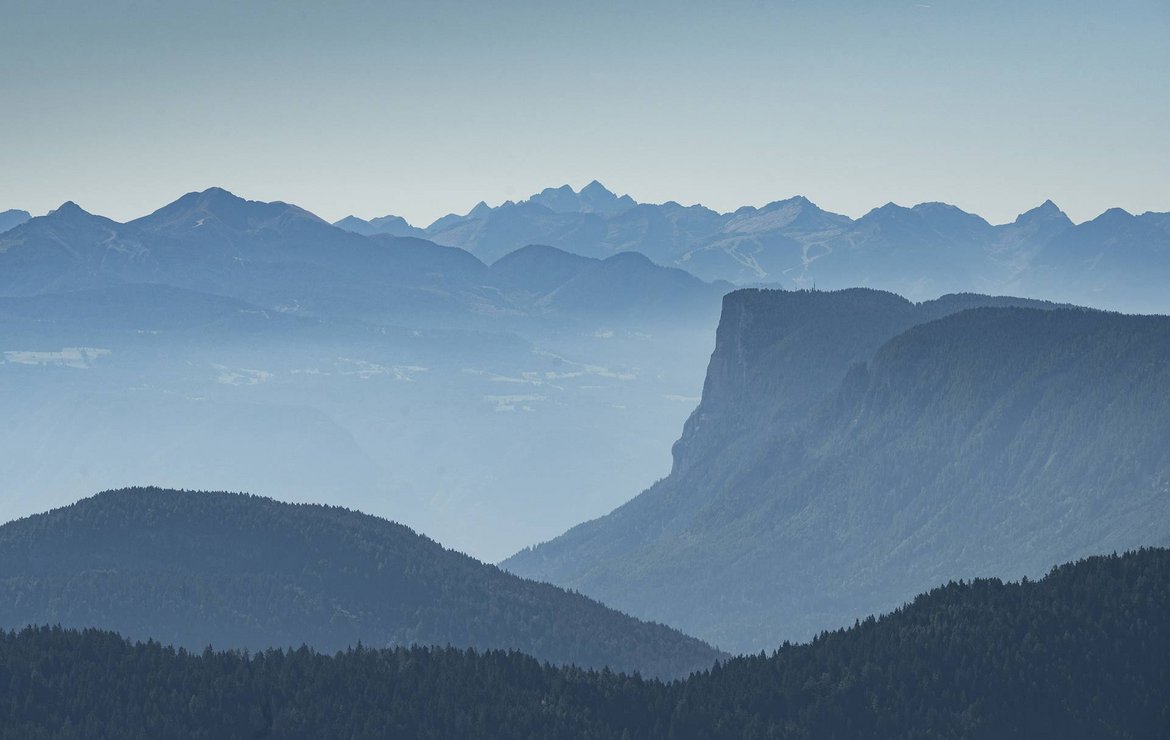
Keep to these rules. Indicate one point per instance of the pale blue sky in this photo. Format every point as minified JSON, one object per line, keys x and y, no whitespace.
{"x":420,"y":108}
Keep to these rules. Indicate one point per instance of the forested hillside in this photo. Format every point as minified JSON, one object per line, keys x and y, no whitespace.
{"x":1080,"y":654}
{"x":847,"y":455}
{"x":236,"y":571}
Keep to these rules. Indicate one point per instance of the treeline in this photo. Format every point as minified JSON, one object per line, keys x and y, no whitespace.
{"x":1081,"y":653}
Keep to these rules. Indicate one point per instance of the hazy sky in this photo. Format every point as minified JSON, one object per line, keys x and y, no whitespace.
{"x":420,"y":108}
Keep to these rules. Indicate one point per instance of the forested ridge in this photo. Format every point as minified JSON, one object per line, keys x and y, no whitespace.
{"x":1080,"y":653}
{"x":239,"y":571}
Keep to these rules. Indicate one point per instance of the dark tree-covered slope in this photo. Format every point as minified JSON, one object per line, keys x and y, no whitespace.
{"x":846,"y":455}
{"x":1080,"y":654}
{"x":238,"y":571}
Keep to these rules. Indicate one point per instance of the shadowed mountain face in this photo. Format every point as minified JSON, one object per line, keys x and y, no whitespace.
{"x":226,"y":344}
{"x":852,"y":447}
{"x":921,"y":252}
{"x":1080,"y":653}
{"x":193,"y":569}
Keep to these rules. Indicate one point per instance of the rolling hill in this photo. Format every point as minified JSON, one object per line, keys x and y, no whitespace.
{"x":237,"y":571}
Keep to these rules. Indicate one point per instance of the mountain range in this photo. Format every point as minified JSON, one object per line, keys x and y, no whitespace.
{"x":1116,"y":261}
{"x":852,"y":447}
{"x":282,"y":257}
{"x":235,"y":571}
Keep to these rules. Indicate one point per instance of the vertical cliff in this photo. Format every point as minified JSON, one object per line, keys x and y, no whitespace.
{"x":851,"y":448}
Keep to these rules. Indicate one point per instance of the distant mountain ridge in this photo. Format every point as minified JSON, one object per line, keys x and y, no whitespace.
{"x":390,"y":225}
{"x":283,"y":257}
{"x":1117,"y":261}
{"x":239,"y":571}
{"x":852,"y":446}
{"x":922,"y":251}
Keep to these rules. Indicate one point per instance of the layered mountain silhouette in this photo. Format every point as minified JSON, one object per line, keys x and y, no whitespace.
{"x":1080,"y":653}
{"x":280,"y":256}
{"x":923,"y":251}
{"x":222,"y":343}
{"x":852,"y":447}
{"x":193,"y":569}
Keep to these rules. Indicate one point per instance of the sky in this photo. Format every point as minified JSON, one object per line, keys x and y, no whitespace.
{"x":424,"y":108}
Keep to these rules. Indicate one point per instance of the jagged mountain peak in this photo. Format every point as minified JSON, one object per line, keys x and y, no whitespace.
{"x":593,"y":198}
{"x":216,"y":199}
{"x":796,"y":201}
{"x":68,"y":209}
{"x":889,"y":209}
{"x":388,"y":224}
{"x":1042,"y":222}
{"x":595,"y":187}
{"x":1115,"y":215}
{"x":1046,"y":210}
{"x":215,"y":205}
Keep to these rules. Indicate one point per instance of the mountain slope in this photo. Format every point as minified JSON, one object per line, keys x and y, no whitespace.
{"x":842,"y":458}
{"x":537,"y":270}
{"x":1079,"y":654}
{"x":71,"y":249}
{"x":238,"y":571}
{"x":12,"y":218}
{"x":629,"y":284}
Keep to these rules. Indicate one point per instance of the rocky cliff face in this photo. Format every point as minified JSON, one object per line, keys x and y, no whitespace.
{"x":852,"y":448}
{"x":777,"y":353}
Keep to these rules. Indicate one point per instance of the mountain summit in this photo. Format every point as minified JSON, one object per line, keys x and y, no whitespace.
{"x":216,"y":209}
{"x":593,"y":198}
